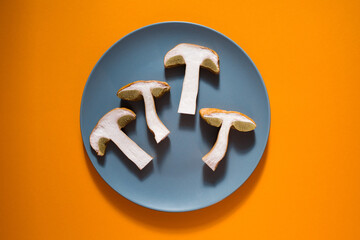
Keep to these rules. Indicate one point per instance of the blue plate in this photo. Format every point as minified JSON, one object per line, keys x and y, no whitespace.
{"x":177,"y":180}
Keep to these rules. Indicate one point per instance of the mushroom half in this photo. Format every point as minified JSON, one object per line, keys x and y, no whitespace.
{"x":147,"y":90}
{"x":225,"y":119}
{"x":194,"y":56}
{"x":109,"y":128}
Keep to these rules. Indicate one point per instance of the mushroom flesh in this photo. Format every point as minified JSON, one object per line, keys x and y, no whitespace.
{"x":194,"y":56}
{"x":109,"y":128}
{"x":225,"y":119}
{"x":148,"y":90}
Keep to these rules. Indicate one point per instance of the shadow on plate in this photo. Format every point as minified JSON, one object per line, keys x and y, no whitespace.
{"x":187,"y":122}
{"x":212,"y":178}
{"x":162,"y":103}
{"x":209,"y":77}
{"x":208,"y":132}
{"x":242,"y":142}
{"x":136,"y":106}
{"x":161,"y":149}
{"x":182,"y":221}
{"x":174,"y":73}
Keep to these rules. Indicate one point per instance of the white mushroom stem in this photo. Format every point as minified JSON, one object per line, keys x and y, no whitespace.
{"x":218,"y":151}
{"x":190,"y":89}
{"x":152,"y":119}
{"x":130,"y":148}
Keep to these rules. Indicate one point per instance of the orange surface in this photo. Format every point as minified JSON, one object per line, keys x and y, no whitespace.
{"x":307,"y":185}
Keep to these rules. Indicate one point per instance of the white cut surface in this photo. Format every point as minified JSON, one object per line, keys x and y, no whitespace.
{"x":152,"y":119}
{"x":193,"y":56}
{"x":108,"y":128}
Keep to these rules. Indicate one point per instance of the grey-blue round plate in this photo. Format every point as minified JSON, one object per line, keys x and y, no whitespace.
{"x":177,"y":180}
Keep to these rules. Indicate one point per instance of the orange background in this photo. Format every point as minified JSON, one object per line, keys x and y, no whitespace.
{"x":307,"y":185}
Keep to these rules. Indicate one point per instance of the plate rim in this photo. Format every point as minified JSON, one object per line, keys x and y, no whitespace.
{"x":197,"y":25}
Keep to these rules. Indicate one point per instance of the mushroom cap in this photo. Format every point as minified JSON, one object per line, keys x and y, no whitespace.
{"x":215,"y":117}
{"x":132,"y":91}
{"x":100,"y":134}
{"x":183,"y":53}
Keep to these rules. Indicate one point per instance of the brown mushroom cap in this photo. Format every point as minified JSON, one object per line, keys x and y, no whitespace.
{"x":178,"y":59}
{"x":215,"y":116}
{"x":130,"y":93}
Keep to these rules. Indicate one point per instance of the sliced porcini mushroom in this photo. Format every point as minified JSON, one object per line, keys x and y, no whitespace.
{"x":194,"y":56}
{"x":109,"y":128}
{"x":148,"y":90}
{"x":225,"y":119}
